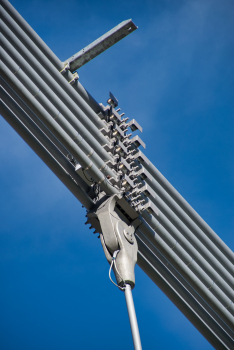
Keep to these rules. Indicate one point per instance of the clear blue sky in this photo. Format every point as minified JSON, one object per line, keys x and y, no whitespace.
{"x":175,"y":76}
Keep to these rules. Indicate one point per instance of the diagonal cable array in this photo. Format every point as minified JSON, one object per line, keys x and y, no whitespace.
{"x":91,"y":149}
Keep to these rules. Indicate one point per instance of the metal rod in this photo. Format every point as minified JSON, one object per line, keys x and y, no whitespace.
{"x":153,"y":254}
{"x":70,"y":145}
{"x":50,"y":88}
{"x":33,"y":116}
{"x":49,"y":120}
{"x":43,"y":135}
{"x":132,"y":317}
{"x":191,"y":260}
{"x":189,"y":210}
{"x":171,"y":287}
{"x":47,"y":71}
{"x":45,"y":156}
{"x":167,"y":248}
{"x":200,"y":254}
{"x":50,"y":54}
{"x":177,"y":215}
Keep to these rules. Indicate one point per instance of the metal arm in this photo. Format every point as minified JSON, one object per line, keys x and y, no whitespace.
{"x":101,"y":44}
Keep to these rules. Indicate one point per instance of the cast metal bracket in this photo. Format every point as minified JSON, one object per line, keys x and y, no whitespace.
{"x":118,"y":241}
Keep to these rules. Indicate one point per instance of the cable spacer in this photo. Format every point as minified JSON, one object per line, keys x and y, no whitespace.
{"x":99,"y":182}
{"x":103,"y":167}
{"x":89,"y":166}
{"x":90,"y":153}
{"x":75,"y":77}
{"x":65,"y":68}
{"x":57,"y":115}
{"x":17,"y":70}
{"x":76,"y":138}
{"x":37,"y":93}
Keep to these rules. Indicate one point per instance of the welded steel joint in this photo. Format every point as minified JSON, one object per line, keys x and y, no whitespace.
{"x":118,"y":241}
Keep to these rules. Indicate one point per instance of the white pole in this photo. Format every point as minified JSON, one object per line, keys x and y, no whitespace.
{"x":132,"y":318}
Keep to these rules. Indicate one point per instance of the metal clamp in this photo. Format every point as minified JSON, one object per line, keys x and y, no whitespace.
{"x":117,"y":235}
{"x":65,"y":68}
{"x":75,"y":77}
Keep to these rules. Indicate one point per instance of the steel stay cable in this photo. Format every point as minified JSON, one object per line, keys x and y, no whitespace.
{"x":181,"y":216}
{"x":49,"y":54}
{"x":10,"y":99}
{"x":210,"y":259}
{"x":38,"y":53}
{"x":40,"y":111}
{"x":52,"y":76}
{"x":46,"y":157}
{"x":56,"y":62}
{"x":45,"y":137}
{"x":167,"y":251}
{"x":182,"y":249}
{"x":32,"y":115}
{"x":160,"y":238}
{"x":191,"y":300}
{"x":176,"y":196}
{"x":53,"y":92}
{"x":202,"y":255}
{"x":19,"y":32}
{"x":70,"y":145}
{"x":158,"y":255}
{"x":170,"y":286}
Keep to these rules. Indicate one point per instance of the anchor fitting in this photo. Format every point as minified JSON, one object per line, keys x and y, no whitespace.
{"x":118,"y":241}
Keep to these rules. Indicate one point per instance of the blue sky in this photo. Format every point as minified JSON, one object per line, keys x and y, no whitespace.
{"x":175,"y":76}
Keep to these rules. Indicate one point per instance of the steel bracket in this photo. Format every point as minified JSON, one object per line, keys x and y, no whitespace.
{"x":118,"y":241}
